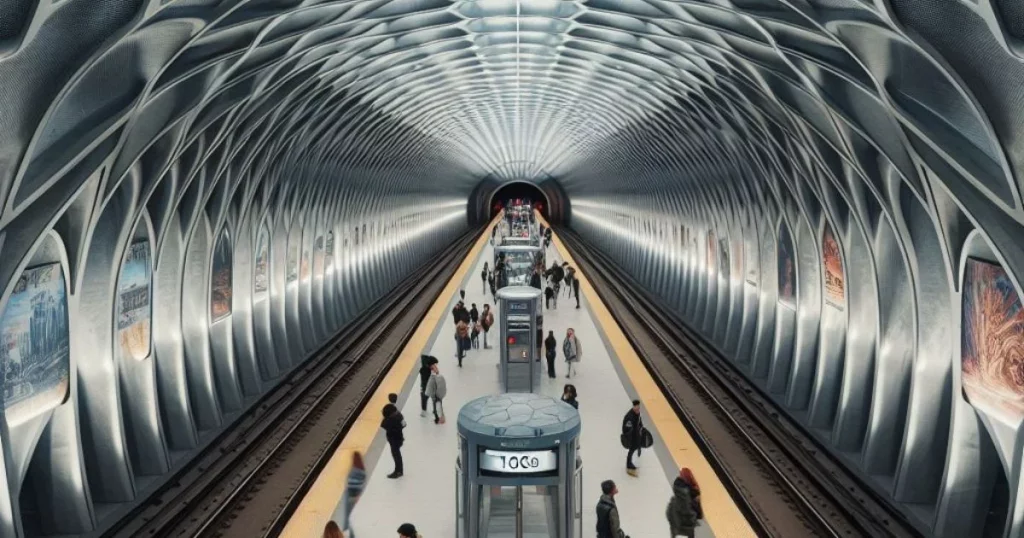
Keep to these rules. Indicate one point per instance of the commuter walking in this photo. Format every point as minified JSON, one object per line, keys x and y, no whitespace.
{"x":474,"y":336}
{"x":493,"y":284}
{"x":572,"y":351}
{"x":486,"y":321}
{"x":483,"y":278}
{"x":682,"y":507}
{"x":576,"y":289}
{"x":408,"y":530}
{"x":569,"y":395}
{"x":549,"y":293}
{"x":393,"y":423}
{"x":426,"y":361}
{"x":550,"y":352}
{"x":570,"y":277}
{"x":633,"y":435}
{"x":536,"y":281}
{"x":462,"y":295}
{"x":461,"y":340}
{"x":437,"y":388}
{"x":608,"y":525}
{"x":474,"y":315}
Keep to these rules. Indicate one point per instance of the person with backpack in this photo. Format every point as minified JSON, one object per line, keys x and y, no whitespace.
{"x":550,"y":346}
{"x":683,"y":509}
{"x":572,"y":351}
{"x":486,"y":321}
{"x":393,"y":423}
{"x":426,"y":361}
{"x":549,"y":294}
{"x":608,"y":525}
{"x":437,"y":388}
{"x":634,"y":436}
{"x":493,"y":283}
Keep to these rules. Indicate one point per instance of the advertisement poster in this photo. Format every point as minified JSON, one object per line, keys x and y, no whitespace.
{"x":261,"y":282}
{"x":711,"y":261}
{"x":753,"y":259}
{"x":329,"y":250}
{"x":220,"y":278}
{"x":787,"y":268}
{"x":304,"y":270}
{"x":133,"y":302}
{"x":832,"y":259}
{"x":293,"y":263}
{"x":723,"y":257}
{"x":35,"y":351}
{"x":992,"y":341}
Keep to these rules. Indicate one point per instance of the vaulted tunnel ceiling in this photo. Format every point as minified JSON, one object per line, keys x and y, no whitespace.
{"x":896,"y":125}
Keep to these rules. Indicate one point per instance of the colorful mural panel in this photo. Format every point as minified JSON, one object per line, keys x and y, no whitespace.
{"x":220,"y":278}
{"x":261,"y":274}
{"x":34,"y":349}
{"x":786,"y":267}
{"x":992,"y":341}
{"x":134,"y":312}
{"x":832,"y":260}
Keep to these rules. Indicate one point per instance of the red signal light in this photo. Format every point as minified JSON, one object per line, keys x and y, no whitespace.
{"x":511,"y":340}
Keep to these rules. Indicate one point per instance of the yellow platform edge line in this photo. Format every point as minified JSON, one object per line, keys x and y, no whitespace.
{"x":720,"y":511}
{"x":320,"y":501}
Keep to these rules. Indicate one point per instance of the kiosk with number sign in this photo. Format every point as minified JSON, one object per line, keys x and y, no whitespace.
{"x":519,"y":473}
{"x":522,"y":330}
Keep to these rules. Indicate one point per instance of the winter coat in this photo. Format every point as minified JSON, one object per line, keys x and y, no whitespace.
{"x":474,"y":314}
{"x":535,"y":281}
{"x":550,"y":344}
{"x":608,"y":518}
{"x":571,"y":400}
{"x":632,"y":430}
{"x":549,"y":292}
{"x":571,"y":349}
{"x":437,"y":388}
{"x":393,"y":424}
{"x":682,"y":518}
{"x":462,"y":330}
{"x":487,"y":320}
{"x":425,"y":362}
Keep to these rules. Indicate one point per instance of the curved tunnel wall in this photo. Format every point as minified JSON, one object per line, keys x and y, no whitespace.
{"x":180,"y":136}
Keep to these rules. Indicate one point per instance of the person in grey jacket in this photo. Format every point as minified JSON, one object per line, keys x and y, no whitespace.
{"x":437,"y":388}
{"x":572,"y":350}
{"x":607,"y":513}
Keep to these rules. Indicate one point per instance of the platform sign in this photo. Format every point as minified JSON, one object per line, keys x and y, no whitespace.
{"x":519,"y":462}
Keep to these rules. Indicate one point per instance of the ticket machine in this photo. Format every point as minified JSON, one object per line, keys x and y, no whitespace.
{"x":522,"y":331}
{"x":519,"y":473}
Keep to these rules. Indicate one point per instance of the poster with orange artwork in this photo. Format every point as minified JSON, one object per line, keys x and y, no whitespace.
{"x":832,"y":260}
{"x":992,"y":342}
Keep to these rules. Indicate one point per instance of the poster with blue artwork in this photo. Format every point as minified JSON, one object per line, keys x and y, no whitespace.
{"x":787,"y":268}
{"x":35,"y":347}
{"x":133,"y":302}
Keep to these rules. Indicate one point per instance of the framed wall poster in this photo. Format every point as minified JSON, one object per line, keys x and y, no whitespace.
{"x":318,"y":255}
{"x":753,"y":259}
{"x":134,"y":311}
{"x":724,"y":253}
{"x":832,"y":262}
{"x":220,"y":278}
{"x":261,"y":282}
{"x":711,"y":261}
{"x":293,"y":262}
{"x":35,"y":350}
{"x":992,"y":341}
{"x":329,"y":250}
{"x":786,"y":267}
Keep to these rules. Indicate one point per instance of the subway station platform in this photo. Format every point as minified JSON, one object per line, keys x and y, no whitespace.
{"x":609,"y":377}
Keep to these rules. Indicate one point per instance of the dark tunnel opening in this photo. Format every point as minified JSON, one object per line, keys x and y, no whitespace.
{"x":519,"y":190}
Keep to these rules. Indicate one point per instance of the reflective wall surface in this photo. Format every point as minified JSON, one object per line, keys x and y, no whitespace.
{"x":197,"y":192}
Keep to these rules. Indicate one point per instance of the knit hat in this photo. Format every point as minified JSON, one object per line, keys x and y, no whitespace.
{"x":407,"y":529}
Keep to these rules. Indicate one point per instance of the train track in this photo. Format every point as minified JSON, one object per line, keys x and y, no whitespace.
{"x":249,"y":481}
{"x":786,"y":484}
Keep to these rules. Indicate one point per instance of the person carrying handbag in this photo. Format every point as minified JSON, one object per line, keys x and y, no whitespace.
{"x":572,"y":351}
